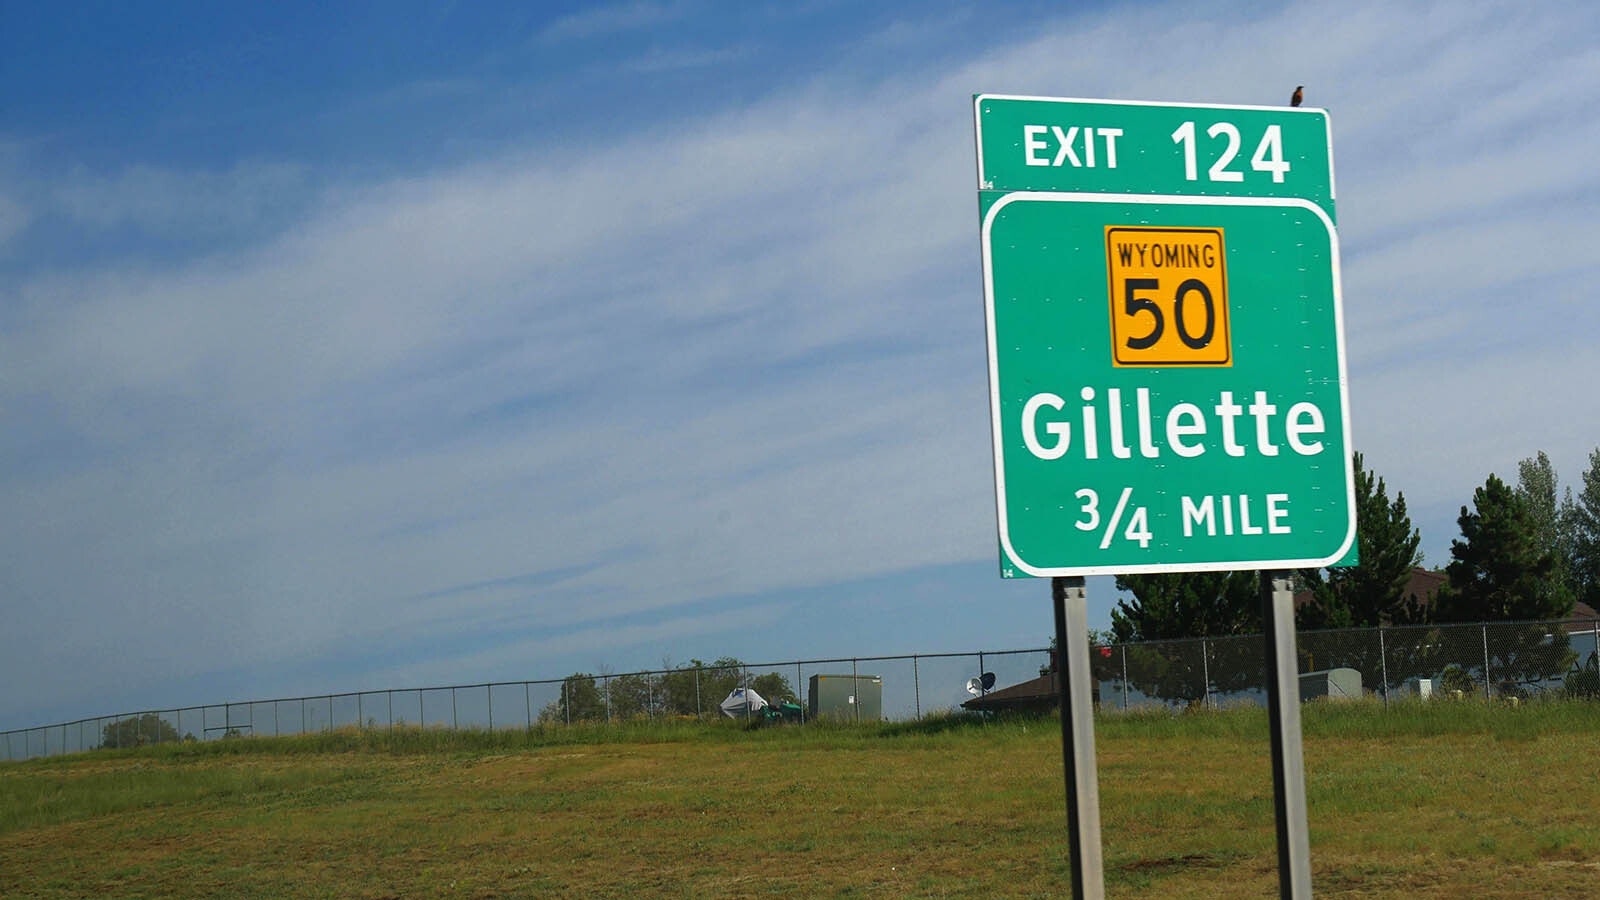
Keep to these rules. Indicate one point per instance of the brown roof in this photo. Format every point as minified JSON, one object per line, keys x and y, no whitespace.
{"x":1582,"y":618}
{"x":1039,"y":693}
{"x":1424,"y":584}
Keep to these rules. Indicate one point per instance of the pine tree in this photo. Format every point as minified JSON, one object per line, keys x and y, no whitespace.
{"x":1502,"y":571}
{"x":1537,"y":485}
{"x":1221,"y":605}
{"x":1582,"y":527}
{"x":1372,"y":592}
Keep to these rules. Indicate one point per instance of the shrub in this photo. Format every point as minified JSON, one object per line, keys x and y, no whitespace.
{"x":1585,"y":682}
{"x":1455,"y":679}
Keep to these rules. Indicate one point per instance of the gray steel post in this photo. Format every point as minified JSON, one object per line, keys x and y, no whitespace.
{"x":855,"y":690}
{"x":453,"y":721}
{"x":1288,"y":760}
{"x":488,"y":690}
{"x":527,"y":704}
{"x":1488,"y":691}
{"x":1124,"y":677}
{"x":1205,"y":672}
{"x":800,"y":693}
{"x":1071,"y":601}
{"x":916,"y":684}
{"x":1383,"y":662}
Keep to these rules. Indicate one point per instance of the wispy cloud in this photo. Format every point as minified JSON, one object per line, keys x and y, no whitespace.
{"x":734,"y":353}
{"x":600,"y":21}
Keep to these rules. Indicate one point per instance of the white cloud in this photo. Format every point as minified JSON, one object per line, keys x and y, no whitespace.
{"x":599,"y":21}
{"x":735,"y":354}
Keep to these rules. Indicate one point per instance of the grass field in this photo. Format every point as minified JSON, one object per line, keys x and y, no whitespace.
{"x":1437,"y":800}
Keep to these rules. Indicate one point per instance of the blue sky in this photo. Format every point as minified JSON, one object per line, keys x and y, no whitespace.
{"x":413,"y":343}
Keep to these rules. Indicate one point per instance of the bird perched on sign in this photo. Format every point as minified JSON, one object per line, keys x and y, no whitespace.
{"x":1299,"y":95}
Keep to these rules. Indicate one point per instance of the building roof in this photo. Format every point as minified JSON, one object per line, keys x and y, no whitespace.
{"x":1036,"y":694}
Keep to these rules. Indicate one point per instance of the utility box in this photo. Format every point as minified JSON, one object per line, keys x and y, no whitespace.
{"x":847,"y":698}
{"x":1335,"y":684}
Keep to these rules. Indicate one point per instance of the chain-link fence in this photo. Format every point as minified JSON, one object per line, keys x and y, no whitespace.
{"x":1480,"y":660}
{"x":1488,"y":660}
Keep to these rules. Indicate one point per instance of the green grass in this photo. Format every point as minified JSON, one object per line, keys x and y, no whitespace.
{"x":1419,"y":800}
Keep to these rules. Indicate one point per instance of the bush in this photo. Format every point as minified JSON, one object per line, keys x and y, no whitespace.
{"x":1455,"y":679}
{"x":1585,"y":682}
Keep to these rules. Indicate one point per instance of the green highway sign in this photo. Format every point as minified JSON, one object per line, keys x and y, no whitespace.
{"x":1166,"y":358}
{"x":1112,"y":147}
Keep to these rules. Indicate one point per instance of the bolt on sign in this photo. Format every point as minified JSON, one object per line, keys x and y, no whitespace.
{"x":1166,"y":351}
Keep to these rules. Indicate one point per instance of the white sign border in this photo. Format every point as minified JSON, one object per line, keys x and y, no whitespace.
{"x":996,"y":426}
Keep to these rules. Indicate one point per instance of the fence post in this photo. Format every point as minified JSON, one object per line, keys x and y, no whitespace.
{"x":605,"y":681}
{"x":698,"y":712}
{"x":916,"y":683}
{"x":453,"y":722}
{"x":389,"y":701}
{"x":1124,"y":677}
{"x":1383,"y":663}
{"x":1488,"y":690}
{"x":361,"y":717}
{"x":1205,"y":671}
{"x":302,"y":716}
{"x":422,"y":715}
{"x":855,"y":688}
{"x":527,"y":705}
{"x":800,"y":690}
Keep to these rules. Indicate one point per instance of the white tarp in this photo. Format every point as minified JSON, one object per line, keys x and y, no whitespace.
{"x":743,"y":702}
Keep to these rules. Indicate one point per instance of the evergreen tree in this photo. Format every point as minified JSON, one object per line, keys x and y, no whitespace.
{"x":1372,"y":592}
{"x":1536,"y":485}
{"x":1187,"y":605}
{"x":1582,"y":527}
{"x":1501,"y":571}
{"x":1183,"y":605}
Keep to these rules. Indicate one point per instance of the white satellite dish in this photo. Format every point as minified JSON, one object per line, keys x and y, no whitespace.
{"x":974,"y":686}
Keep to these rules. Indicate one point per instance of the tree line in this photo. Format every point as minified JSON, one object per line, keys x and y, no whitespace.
{"x":691,"y":690}
{"x":1526,"y":553}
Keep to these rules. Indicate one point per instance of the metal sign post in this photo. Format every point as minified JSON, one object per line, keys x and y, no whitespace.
{"x":1077,"y":736}
{"x":1288,"y":761}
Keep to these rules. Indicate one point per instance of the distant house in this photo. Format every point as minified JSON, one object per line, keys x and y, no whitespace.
{"x":1035,"y":695}
{"x":1423,"y":585}
{"x":1584,"y":619}
{"x":1040,"y":694}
